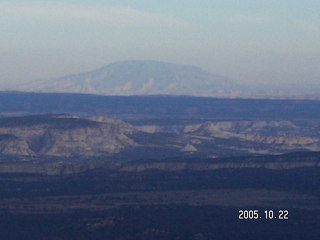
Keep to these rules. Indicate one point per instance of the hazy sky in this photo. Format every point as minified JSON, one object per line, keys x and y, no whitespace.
{"x":249,"y":41}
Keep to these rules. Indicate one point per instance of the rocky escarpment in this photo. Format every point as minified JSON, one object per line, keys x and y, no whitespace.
{"x":261,"y":137}
{"x":282,"y":134}
{"x":69,"y":135}
{"x":63,"y":135}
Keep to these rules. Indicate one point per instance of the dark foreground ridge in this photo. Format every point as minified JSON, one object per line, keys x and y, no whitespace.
{"x":103,"y":203}
{"x":71,"y":165}
{"x":158,"y":106}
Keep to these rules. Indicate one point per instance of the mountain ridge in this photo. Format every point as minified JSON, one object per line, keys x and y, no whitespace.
{"x":138,"y":77}
{"x":68,"y":135}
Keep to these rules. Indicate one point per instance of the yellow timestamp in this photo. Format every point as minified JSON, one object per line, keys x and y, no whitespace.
{"x":266,"y":214}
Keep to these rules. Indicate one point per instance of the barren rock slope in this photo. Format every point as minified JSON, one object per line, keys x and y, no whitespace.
{"x":63,"y":135}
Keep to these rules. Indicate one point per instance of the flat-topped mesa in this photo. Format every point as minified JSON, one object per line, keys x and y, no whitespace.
{"x":138,"y":77}
{"x":62,"y":135}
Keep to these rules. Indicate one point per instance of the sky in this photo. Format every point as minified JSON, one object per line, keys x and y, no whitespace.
{"x":248,"y":41}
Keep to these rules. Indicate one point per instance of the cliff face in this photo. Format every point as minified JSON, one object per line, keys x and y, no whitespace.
{"x":262,"y":137}
{"x":284,"y":134}
{"x":69,"y":135}
{"x":64,"y":136}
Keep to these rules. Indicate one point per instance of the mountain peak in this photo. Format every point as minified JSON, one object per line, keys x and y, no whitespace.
{"x":138,"y":77}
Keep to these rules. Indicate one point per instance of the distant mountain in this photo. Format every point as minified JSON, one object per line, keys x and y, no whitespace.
{"x":138,"y":78}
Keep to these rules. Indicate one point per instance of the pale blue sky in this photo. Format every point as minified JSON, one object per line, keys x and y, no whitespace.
{"x":249,"y":41}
